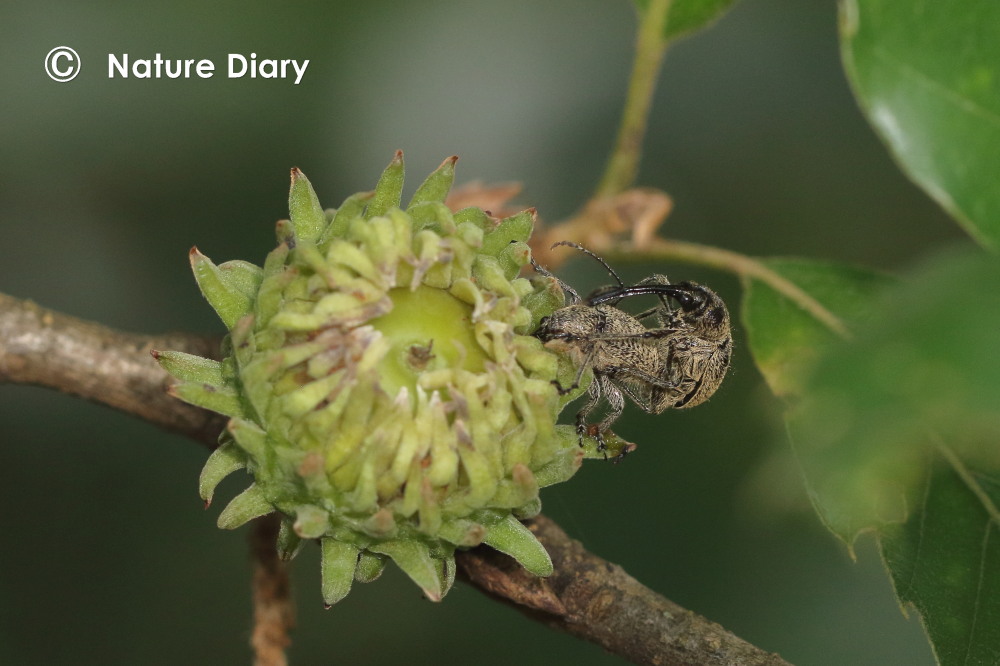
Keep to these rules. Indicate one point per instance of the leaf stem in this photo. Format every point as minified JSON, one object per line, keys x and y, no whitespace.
{"x":970,"y":482}
{"x":623,"y":165}
{"x":738,"y":264}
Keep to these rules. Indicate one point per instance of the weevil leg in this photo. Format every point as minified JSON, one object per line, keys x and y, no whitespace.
{"x":617,"y":403}
{"x":593,"y":397}
{"x":664,"y":308}
{"x":620,"y":372}
{"x":587,"y":358}
{"x":648,"y":313}
{"x":648,"y":334}
{"x":615,"y":400}
{"x":642,"y":399}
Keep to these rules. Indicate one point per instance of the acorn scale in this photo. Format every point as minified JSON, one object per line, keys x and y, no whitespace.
{"x":382,"y":387}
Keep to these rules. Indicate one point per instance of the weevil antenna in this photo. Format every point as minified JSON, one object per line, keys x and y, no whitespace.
{"x":581,"y":248}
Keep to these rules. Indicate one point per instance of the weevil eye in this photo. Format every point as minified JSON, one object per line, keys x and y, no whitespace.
{"x":690,"y":297}
{"x":685,"y":300}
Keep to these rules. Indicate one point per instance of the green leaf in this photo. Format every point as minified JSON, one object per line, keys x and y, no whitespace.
{"x":243,"y":508}
{"x":352,"y":207}
{"x":312,"y":522}
{"x":511,"y":537}
{"x":785,"y":340}
{"x":249,"y":437}
{"x":339,"y":560}
{"x":927,"y":366}
{"x":289,"y":543}
{"x":927,"y":76}
{"x":224,"y":461}
{"x":920,"y":380}
{"x":417,"y":562}
{"x":945,"y":562}
{"x":437,"y":185}
{"x":307,"y":216}
{"x":685,"y":16}
{"x":370,"y":567}
{"x":224,"y":400}
{"x":191,"y":368}
{"x":389,"y":189}
{"x":514,"y":228}
{"x":925,"y":375}
{"x":224,"y":290}
{"x":241,"y":276}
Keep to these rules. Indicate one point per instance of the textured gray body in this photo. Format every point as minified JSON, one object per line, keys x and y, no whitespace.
{"x":678,"y":362}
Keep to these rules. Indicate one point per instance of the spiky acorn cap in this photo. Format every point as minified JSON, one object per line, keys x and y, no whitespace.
{"x":382,"y":387}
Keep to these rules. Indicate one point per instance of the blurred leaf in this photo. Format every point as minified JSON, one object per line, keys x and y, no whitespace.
{"x":686,"y":16}
{"x":927,"y":364}
{"x":923,"y":375}
{"x":785,"y":340}
{"x":945,"y":561}
{"x":927,"y":76}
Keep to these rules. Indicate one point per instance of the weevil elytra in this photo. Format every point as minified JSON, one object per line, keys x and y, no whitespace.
{"x":677,"y":363}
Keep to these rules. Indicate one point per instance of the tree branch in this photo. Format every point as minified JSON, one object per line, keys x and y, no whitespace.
{"x":586,"y":596}
{"x":596,"y":600}
{"x":46,"y":348}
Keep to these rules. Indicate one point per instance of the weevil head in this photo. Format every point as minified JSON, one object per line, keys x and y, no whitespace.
{"x":702,"y":310}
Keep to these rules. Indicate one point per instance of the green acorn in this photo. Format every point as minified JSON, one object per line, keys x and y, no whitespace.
{"x":382,"y":386}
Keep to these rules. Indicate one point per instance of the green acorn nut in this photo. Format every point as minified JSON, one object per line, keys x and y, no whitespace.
{"x":382,"y":386}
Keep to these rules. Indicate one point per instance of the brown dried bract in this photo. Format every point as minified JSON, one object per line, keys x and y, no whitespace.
{"x":495,"y":198}
{"x":638,"y":213}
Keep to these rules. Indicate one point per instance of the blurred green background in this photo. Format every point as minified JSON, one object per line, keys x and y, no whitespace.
{"x":105,"y":184}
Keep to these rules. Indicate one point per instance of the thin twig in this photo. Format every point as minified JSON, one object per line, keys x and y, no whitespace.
{"x":273,"y":611}
{"x":603,"y":224}
{"x":650,"y":47}
{"x":744,"y":267}
{"x":587,"y":596}
{"x":965,"y":474}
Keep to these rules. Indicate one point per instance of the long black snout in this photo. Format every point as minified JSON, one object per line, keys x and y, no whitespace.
{"x":685,"y":293}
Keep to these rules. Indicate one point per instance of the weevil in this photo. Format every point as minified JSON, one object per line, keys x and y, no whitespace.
{"x":678,"y":362}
